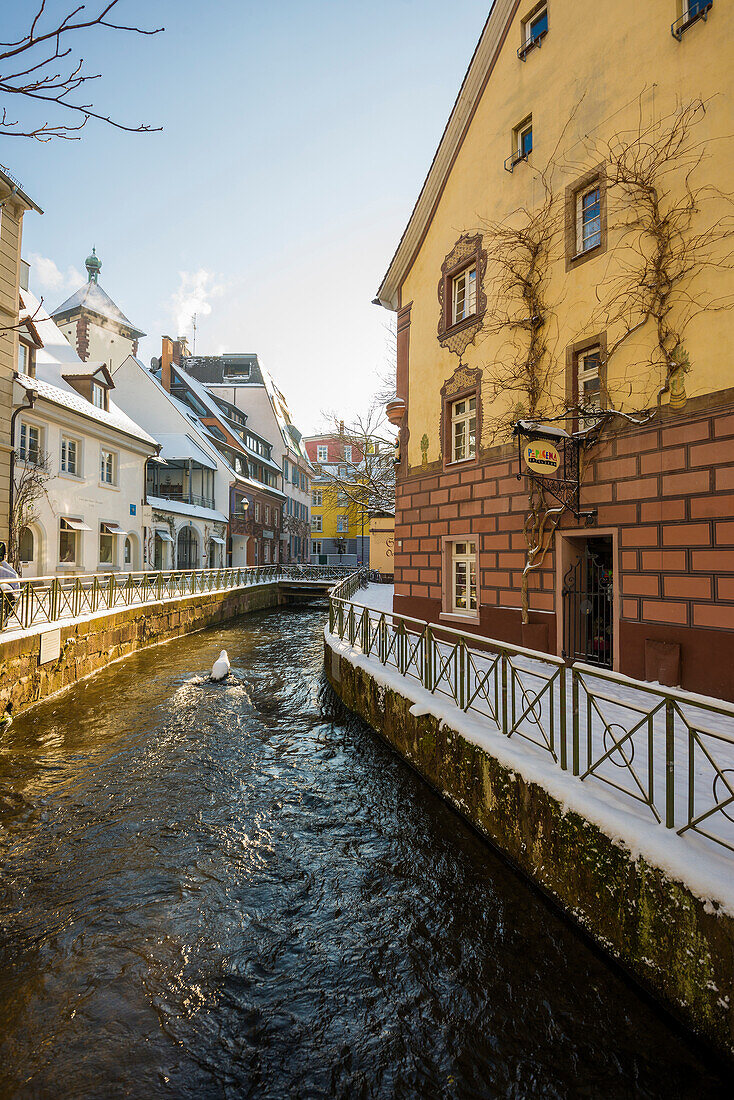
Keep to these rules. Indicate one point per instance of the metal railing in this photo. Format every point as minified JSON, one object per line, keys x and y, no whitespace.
{"x":39,"y":600}
{"x":669,"y":752}
{"x":697,"y":9}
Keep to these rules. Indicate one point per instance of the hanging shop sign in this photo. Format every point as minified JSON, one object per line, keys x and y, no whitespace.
{"x":541,"y":456}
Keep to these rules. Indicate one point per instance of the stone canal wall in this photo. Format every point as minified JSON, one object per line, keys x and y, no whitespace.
{"x":677,"y":946}
{"x":83,"y":646}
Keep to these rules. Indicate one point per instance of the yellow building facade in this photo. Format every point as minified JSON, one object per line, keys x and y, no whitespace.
{"x":530,"y":285}
{"x":13,"y":204}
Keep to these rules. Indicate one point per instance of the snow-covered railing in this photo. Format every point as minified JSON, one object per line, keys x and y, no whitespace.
{"x":669,"y":751}
{"x":40,"y":600}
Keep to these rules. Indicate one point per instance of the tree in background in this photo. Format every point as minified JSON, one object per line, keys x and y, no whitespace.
{"x":40,"y":68}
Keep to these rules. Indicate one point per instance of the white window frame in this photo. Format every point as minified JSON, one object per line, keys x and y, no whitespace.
{"x":464,"y":294}
{"x":348,"y":453}
{"x":64,"y":456}
{"x":586,"y":372}
{"x":99,"y":396}
{"x":317,"y":498}
{"x":108,"y":459}
{"x":322,"y":453}
{"x":342,"y":525}
{"x":464,"y":558}
{"x":585,"y":243}
{"x":523,"y":129}
{"x":317,"y":523}
{"x":531,"y":21}
{"x":24,"y":450}
{"x":463,"y":418}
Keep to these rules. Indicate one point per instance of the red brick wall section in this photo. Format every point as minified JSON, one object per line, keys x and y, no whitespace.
{"x":668,"y":489}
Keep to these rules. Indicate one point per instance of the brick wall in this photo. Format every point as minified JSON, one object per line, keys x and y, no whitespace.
{"x":667,"y":491}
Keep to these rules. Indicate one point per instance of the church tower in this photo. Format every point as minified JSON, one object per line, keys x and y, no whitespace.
{"x":93,"y":325}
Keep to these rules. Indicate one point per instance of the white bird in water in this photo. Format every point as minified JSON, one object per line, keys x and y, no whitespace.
{"x":220,"y":668}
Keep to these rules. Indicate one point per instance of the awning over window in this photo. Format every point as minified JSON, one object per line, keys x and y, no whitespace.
{"x":163,"y":535}
{"x":218,"y":540}
{"x":113,"y":529}
{"x":74,"y":524}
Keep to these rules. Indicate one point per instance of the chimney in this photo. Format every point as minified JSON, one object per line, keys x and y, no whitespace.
{"x":166,"y":362}
{"x":341,"y":427}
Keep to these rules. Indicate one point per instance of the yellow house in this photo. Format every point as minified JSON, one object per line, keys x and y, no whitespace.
{"x":382,"y":543}
{"x":13,"y":205}
{"x":564,"y":295}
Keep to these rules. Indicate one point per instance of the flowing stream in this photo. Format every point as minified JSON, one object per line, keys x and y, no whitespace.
{"x":236,"y":890}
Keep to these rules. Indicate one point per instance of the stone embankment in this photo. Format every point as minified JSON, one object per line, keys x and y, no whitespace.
{"x":79,"y":647}
{"x":677,"y":945}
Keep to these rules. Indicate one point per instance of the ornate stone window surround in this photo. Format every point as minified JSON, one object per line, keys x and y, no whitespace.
{"x":466,"y":253}
{"x":464,"y":383}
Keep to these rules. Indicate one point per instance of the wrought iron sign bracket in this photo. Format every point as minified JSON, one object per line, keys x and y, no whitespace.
{"x":565,"y":486}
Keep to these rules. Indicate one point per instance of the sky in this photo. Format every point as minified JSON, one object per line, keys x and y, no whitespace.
{"x":296,"y":137}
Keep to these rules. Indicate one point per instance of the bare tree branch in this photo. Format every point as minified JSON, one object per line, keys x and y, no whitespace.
{"x":41,"y":48}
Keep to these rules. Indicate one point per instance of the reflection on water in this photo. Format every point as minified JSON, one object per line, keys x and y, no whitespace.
{"x":230,"y":890}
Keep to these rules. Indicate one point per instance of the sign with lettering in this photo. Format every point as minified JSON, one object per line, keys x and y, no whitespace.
{"x":541,"y":456}
{"x":50,"y":646}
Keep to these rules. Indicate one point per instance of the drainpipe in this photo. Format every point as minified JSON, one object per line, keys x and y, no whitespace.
{"x":31,"y":396}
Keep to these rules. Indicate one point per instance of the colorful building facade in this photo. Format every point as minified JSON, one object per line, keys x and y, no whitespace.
{"x":536,"y":308}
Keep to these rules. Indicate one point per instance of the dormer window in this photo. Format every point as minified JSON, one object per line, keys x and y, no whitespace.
{"x":26,"y":359}
{"x":99,"y":396}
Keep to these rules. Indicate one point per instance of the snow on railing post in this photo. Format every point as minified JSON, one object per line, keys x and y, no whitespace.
{"x":462,"y":674}
{"x":670,"y":763}
{"x":365,"y":629}
{"x":427,"y":658}
{"x":562,"y":718}
{"x":504,"y":694}
{"x":575,"y":732}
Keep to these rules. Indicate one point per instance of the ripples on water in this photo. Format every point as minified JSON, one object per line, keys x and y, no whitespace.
{"x":236,"y":891}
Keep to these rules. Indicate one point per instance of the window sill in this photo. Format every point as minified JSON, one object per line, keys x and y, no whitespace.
{"x":585,"y":254}
{"x":459,"y":461}
{"x":70,"y":477}
{"x":459,"y":616}
{"x":106,"y":485}
{"x":472,"y":319}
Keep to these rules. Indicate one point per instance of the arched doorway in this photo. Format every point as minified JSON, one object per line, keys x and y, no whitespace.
{"x":187,"y":549}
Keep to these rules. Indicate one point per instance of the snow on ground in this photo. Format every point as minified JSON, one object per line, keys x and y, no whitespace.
{"x":377,"y":596}
{"x":622,"y":745}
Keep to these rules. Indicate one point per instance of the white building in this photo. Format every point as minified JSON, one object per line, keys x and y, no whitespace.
{"x":240,"y":381}
{"x":90,"y":516}
{"x":188,"y":492}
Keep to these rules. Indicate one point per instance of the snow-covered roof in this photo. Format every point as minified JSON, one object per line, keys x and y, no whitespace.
{"x":161,"y":504}
{"x":176,"y":445}
{"x":291,"y":436}
{"x":58,"y":358}
{"x":69,"y":399}
{"x":94,"y":298}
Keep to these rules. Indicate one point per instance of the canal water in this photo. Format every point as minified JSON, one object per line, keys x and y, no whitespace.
{"x":235,"y":890}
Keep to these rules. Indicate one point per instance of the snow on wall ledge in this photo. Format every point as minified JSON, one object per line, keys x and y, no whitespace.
{"x":671,"y":927}
{"x":90,"y":642}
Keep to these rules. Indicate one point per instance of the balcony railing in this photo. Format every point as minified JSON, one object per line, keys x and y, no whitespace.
{"x":697,"y":9}
{"x":668,"y":753}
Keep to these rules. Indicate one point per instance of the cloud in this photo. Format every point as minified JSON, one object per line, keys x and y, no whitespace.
{"x":47,"y":278}
{"x":195,"y":292}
